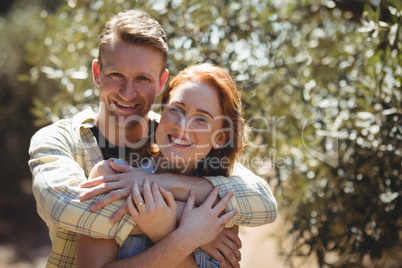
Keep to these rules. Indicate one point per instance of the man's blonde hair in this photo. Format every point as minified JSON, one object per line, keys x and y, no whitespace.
{"x":137,"y":28}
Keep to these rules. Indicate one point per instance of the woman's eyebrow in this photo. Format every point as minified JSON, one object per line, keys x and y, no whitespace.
{"x":198,"y":109}
{"x":204,"y":111}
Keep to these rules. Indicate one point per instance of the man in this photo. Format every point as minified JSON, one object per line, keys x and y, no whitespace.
{"x":130,"y":72}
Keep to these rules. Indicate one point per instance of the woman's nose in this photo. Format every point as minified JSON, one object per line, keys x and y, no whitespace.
{"x":181,"y":121}
{"x":183,"y":124}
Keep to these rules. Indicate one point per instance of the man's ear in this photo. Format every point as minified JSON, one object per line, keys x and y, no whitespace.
{"x":162,"y":81}
{"x":220,"y":139}
{"x":96,"y":71}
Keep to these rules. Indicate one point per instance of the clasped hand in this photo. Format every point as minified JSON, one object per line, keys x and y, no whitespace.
{"x":154,"y":211}
{"x":115,"y":181}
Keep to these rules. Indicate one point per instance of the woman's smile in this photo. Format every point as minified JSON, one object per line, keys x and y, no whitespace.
{"x":179,"y":141}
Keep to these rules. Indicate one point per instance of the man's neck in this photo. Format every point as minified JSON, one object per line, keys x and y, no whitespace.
{"x":122,"y":136}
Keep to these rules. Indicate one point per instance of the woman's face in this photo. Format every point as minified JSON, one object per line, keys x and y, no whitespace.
{"x":191,"y":124}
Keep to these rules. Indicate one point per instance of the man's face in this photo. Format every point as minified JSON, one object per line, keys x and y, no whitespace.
{"x":129,"y":81}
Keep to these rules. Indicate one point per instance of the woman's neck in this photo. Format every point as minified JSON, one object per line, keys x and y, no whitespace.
{"x":163,"y":165}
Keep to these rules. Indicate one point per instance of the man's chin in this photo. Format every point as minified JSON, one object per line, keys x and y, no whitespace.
{"x":126,"y":124}
{"x":129,"y":121}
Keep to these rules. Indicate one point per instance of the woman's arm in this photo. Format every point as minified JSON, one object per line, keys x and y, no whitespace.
{"x":156,"y":214}
{"x":156,"y":217}
{"x":103,"y":253}
{"x":93,"y":252}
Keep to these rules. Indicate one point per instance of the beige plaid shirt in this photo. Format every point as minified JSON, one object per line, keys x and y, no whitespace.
{"x":61,"y":157}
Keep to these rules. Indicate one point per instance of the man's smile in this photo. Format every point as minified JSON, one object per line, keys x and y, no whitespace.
{"x":124,"y":107}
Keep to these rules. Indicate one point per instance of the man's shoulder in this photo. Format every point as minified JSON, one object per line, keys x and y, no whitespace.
{"x":68,"y":125}
{"x":57,"y":125}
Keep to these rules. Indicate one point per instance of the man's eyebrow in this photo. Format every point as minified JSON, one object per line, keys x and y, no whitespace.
{"x":148,"y":74}
{"x":198,"y":110}
{"x":119,"y":69}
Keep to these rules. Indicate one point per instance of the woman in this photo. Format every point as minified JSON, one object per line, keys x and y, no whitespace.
{"x":200,"y":133}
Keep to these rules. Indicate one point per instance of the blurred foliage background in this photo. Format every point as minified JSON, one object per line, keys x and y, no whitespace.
{"x":321,"y":84}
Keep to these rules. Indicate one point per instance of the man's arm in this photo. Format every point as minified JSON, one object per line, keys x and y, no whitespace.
{"x":253,"y":197}
{"x":56,"y":161}
{"x":179,"y":185}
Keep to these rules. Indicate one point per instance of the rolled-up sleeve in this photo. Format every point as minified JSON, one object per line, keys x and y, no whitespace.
{"x":252,"y":198}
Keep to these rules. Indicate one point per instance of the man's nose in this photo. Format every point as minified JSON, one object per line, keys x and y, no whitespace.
{"x":128,"y":90}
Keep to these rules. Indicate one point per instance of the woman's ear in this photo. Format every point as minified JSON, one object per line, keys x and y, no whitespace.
{"x":96,"y":71}
{"x":220,"y":139}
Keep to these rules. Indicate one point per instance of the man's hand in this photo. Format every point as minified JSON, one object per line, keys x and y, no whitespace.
{"x":225,"y":248}
{"x":114,"y":186}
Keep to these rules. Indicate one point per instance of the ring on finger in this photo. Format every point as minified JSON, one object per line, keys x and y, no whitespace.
{"x":120,"y":193}
{"x":140,"y":203}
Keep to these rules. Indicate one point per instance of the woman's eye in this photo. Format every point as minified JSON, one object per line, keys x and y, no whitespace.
{"x":176,"y":110}
{"x":202,"y":119}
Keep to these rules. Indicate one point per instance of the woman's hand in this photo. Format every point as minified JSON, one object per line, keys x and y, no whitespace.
{"x":203,"y":224}
{"x":154,"y":212}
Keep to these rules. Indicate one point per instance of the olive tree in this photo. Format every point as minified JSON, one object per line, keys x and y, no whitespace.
{"x":321,"y":84}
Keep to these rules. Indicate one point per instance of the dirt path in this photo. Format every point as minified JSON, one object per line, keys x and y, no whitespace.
{"x":259,"y":249}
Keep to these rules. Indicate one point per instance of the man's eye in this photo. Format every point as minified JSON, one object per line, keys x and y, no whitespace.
{"x":116,"y":74}
{"x":143,"y":78}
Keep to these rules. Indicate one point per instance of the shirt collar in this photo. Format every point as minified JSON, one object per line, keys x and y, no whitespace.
{"x":84,"y":118}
